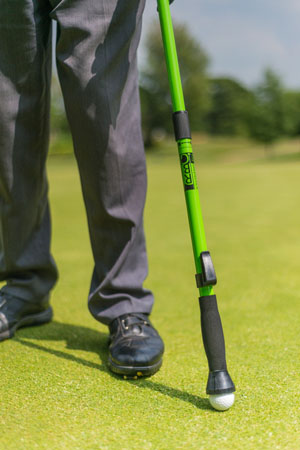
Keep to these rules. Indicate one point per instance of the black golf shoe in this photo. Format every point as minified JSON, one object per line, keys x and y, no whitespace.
{"x":16,"y":313}
{"x":136,"y":348}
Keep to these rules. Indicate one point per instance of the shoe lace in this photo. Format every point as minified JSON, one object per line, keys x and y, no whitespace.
{"x":135,"y":319}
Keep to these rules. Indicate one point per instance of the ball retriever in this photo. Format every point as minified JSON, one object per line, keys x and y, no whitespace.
{"x":219,"y":387}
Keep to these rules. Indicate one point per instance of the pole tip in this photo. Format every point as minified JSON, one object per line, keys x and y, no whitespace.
{"x":219,"y":382}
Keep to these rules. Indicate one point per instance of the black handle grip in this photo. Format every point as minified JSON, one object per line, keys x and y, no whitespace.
{"x":219,"y":380}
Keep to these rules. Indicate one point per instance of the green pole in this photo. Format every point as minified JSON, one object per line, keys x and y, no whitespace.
{"x":184,"y":145}
{"x":220,"y":386}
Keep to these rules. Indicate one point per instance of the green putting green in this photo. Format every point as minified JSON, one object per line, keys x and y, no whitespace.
{"x":56,"y":391}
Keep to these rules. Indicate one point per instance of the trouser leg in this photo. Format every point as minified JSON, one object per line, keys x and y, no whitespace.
{"x":97,"y":66}
{"x":25,"y":65}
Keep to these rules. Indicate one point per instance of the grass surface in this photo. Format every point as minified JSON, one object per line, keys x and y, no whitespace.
{"x":56,"y":391}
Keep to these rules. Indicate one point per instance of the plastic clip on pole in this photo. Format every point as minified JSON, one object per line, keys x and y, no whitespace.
{"x":219,"y":386}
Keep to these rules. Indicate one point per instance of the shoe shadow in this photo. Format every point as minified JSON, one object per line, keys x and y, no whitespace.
{"x":83,"y":338}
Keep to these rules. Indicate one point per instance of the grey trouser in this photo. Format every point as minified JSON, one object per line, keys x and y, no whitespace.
{"x":97,"y":67}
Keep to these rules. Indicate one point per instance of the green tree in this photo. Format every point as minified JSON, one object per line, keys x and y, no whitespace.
{"x":231,"y":107}
{"x":155,"y":91}
{"x":291,"y":103}
{"x":60,"y":133}
{"x":59,"y":124}
{"x":268,"y":121}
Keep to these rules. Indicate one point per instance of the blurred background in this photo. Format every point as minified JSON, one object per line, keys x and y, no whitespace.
{"x":239,"y":66}
{"x":240,"y":69}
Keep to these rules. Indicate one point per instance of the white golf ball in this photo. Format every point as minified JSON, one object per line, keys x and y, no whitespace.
{"x":221,"y":402}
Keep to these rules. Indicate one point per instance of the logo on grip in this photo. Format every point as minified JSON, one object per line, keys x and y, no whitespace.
{"x":188,"y":171}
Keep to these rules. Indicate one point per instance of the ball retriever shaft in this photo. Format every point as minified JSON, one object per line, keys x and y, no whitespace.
{"x":219,"y":387}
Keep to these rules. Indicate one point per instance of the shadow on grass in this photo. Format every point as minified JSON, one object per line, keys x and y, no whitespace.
{"x":83,"y":338}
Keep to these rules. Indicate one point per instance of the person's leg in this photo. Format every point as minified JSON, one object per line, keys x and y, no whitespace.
{"x":25,"y":65}
{"x":97,"y":66}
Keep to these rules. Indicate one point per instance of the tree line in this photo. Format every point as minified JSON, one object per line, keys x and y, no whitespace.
{"x":216,"y":105}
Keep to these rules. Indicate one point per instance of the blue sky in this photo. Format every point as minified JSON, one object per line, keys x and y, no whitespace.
{"x":242,"y":37}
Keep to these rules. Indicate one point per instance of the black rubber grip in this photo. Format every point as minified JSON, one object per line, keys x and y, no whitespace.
{"x":181,"y":125}
{"x":219,"y":380}
{"x":212,"y":333}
